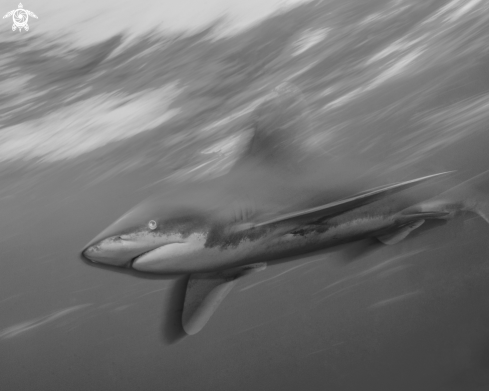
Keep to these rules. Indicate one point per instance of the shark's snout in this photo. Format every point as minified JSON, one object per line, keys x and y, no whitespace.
{"x":111,"y":251}
{"x":90,"y":254}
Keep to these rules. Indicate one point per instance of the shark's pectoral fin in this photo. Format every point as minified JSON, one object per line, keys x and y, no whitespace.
{"x":343,"y":205}
{"x":206,"y":291}
{"x":399,"y":234}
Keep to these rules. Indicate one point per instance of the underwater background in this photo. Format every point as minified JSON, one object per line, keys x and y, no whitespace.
{"x":100,"y":112}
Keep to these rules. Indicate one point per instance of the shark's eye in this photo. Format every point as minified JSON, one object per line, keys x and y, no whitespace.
{"x":152,"y":224}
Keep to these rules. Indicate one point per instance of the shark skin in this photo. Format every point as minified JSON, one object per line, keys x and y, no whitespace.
{"x":279,"y":201}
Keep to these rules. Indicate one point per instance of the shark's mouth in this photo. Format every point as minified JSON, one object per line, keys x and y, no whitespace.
{"x":157,"y":256}
{"x":167,"y":257}
{"x":146,"y":253}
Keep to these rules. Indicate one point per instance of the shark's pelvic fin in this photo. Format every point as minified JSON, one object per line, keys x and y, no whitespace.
{"x":206,"y":291}
{"x":482,"y":209}
{"x":400,"y":234}
{"x":416,"y":215}
{"x":346,"y":204}
{"x":476,"y":203}
{"x":463,"y":197}
{"x":412,"y":218}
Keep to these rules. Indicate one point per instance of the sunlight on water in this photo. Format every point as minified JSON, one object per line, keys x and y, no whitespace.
{"x":87,"y":125}
{"x":308,"y":39}
{"x":394,"y":8}
{"x":400,"y":66}
{"x":91,"y":21}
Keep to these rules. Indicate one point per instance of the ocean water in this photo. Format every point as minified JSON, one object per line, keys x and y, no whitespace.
{"x":91,"y":124}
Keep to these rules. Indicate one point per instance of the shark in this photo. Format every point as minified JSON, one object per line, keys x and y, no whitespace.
{"x":281,"y":200}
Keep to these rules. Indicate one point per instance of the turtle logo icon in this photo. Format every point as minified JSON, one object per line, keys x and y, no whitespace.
{"x":20,"y":16}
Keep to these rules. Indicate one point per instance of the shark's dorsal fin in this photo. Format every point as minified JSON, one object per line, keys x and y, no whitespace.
{"x":206,"y":291}
{"x":280,"y":128}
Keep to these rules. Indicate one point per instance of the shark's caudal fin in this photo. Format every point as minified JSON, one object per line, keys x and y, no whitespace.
{"x":206,"y":291}
{"x":346,"y":204}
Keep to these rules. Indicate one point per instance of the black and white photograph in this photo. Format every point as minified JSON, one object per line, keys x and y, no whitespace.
{"x":244,"y":196}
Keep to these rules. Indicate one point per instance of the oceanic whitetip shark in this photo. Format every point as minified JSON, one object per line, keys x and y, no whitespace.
{"x":279,"y":200}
